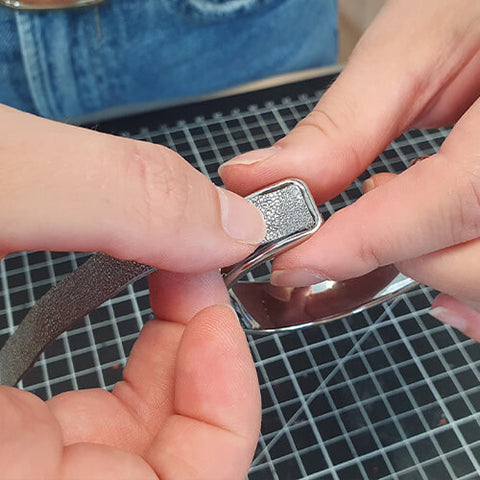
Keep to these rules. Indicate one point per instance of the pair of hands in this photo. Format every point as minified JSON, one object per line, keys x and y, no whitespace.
{"x":189,"y":405}
{"x":418,"y":65}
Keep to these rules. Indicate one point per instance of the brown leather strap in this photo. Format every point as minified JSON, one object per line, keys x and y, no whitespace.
{"x":100,"y":278}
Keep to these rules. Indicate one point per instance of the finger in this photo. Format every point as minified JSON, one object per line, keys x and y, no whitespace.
{"x":96,"y":416}
{"x":457,"y":314}
{"x":215,"y":370}
{"x":178,"y":297}
{"x":28,"y":431}
{"x":389,"y":81}
{"x":454,"y":270}
{"x":376,"y":180}
{"x":69,"y":188}
{"x":149,"y":378}
{"x":453,"y":101}
{"x":214,"y":430}
{"x":131,"y":417}
{"x":101,"y":462}
{"x":148,"y":386}
{"x":431,"y":206}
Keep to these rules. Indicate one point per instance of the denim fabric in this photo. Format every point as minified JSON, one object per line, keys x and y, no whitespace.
{"x":65,"y":63}
{"x":14,"y":88}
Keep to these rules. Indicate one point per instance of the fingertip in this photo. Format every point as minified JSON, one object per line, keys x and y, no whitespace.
{"x":450,"y":317}
{"x":368,"y":184}
{"x":457,"y":314}
{"x":179,"y":297}
{"x":247,"y":172}
{"x":377,"y":180}
{"x":219,"y":325}
{"x":250,"y":158}
{"x":216,"y":380}
{"x":241,"y":221}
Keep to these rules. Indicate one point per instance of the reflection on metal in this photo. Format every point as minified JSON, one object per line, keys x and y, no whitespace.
{"x":267,"y":308}
{"x":291,"y":217}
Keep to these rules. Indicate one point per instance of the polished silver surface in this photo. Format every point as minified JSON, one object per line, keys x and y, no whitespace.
{"x":290,"y":215}
{"x":266,"y":308}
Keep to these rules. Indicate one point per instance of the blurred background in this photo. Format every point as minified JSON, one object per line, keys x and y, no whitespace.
{"x":354,"y":17}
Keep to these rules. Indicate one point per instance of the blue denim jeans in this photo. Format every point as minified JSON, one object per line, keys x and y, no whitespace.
{"x":61,"y":64}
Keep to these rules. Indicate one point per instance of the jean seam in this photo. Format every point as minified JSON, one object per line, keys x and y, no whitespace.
{"x":30,"y":43}
{"x":86,"y":75}
{"x":53,"y":99}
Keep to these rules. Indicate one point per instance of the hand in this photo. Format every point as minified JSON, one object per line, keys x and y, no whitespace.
{"x":189,"y":405}
{"x":417,"y":66}
{"x":69,"y":188}
{"x":187,"y":408}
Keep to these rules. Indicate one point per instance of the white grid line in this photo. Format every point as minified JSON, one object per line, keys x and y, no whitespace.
{"x":444,"y":408}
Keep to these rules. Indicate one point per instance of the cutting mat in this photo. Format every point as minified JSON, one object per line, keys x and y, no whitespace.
{"x":388,"y":393}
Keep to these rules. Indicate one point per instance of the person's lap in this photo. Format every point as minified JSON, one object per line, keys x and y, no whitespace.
{"x":66,"y":63}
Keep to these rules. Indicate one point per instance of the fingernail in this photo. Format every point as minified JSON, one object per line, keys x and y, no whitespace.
{"x":240,"y":219}
{"x":448,"y":317}
{"x":252,"y":157}
{"x":418,"y":159}
{"x":296,"y":278}
{"x":368,"y":184}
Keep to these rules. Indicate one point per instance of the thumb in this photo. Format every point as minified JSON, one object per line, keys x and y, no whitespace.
{"x":69,"y":188}
{"x":388,"y":83}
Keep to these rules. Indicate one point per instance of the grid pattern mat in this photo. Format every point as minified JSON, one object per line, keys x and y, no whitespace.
{"x":388,"y":393}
